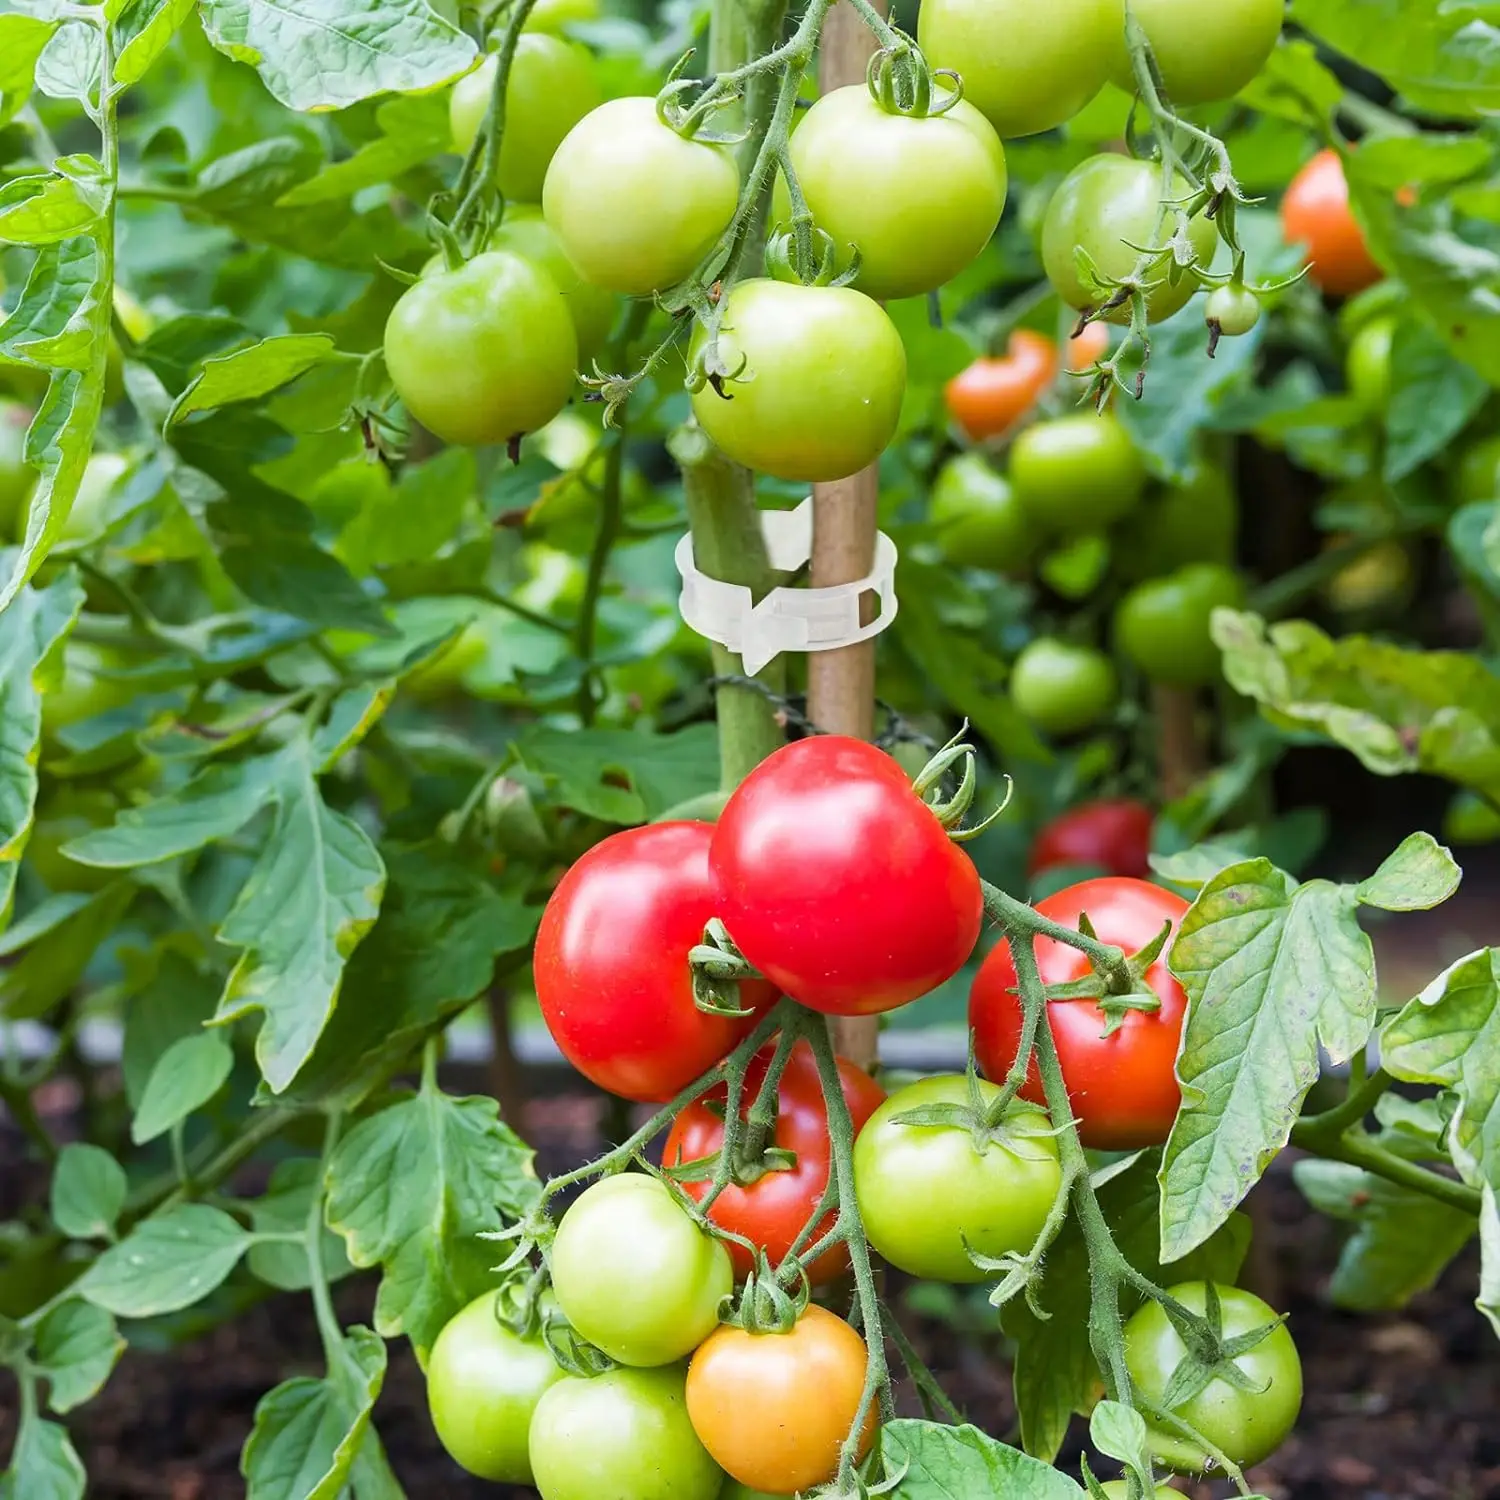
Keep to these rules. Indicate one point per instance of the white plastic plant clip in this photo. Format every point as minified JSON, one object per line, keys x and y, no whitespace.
{"x":786,"y":619}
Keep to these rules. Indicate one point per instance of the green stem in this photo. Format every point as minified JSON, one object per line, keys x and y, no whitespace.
{"x":1358,"y":1150}
{"x":1016,"y":916}
{"x":335,"y":1351}
{"x":1359,"y":1101}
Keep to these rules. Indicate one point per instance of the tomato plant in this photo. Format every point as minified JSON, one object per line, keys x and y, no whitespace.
{"x":1120,"y":1078}
{"x":1061,"y":687}
{"x":620,"y":1231}
{"x":771,"y":1208}
{"x":775,"y":1408}
{"x":977,"y":519}
{"x":611,"y":963}
{"x":1114,"y":832}
{"x":834,"y":814}
{"x":1245,"y":1419}
{"x":929,"y":1194}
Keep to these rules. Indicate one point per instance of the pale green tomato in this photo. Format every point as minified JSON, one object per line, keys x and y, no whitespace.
{"x":550,"y":89}
{"x":525,"y":232}
{"x":1026,"y":65}
{"x":1063,"y":688}
{"x":1203,"y":52}
{"x":558,"y":15}
{"x":636,"y":206}
{"x":918,"y":197}
{"x":1076,"y":474}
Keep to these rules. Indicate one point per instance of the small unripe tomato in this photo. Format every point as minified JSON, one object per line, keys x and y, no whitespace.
{"x":1368,"y":366}
{"x":1234,"y":309}
{"x":1063,"y":688}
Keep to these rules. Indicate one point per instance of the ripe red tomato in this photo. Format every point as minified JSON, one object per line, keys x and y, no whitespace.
{"x":838,"y":883}
{"x":612,"y":969}
{"x":772,"y":1210}
{"x":1315,"y":212}
{"x":994,"y":393}
{"x":1123,"y":1088}
{"x":1114,"y":832}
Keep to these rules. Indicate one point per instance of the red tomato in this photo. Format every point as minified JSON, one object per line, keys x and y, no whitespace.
{"x":1315,"y":212}
{"x":1114,"y":832}
{"x":612,"y":968}
{"x":1123,"y":1088}
{"x":838,"y":883}
{"x":772,"y":1210}
{"x":993,"y":394}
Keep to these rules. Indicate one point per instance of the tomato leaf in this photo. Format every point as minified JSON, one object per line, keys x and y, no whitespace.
{"x":72,"y":62}
{"x":167,"y":1262}
{"x":1419,"y":875}
{"x":77,"y":1345}
{"x":326,"y":54}
{"x":249,"y":373}
{"x":942,"y":1462}
{"x":284,"y":1208}
{"x":412,"y":129}
{"x":56,"y":958}
{"x":21,"y":41}
{"x":1433,"y":397}
{"x":186,"y":1076}
{"x":47,"y":206}
{"x":143,"y":30}
{"x":44,"y":1465}
{"x":1055,"y":1370}
{"x":409,"y":1188}
{"x":307,"y":1432}
{"x":88,"y":1191}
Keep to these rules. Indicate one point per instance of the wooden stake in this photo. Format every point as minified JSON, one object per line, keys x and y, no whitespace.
{"x":841,"y":684}
{"x":1180,"y":750}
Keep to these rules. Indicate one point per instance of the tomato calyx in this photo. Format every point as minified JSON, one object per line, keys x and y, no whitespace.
{"x":717,"y":967}
{"x":688,"y":122}
{"x":951,"y":811}
{"x":1118,"y":990}
{"x":1210,"y":1354}
{"x":987,"y":1124}
{"x":901,"y":82}
{"x":804,"y":254}
{"x":764,"y":1306}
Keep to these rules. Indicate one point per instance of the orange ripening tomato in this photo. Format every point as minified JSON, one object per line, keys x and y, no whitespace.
{"x":1315,"y":212}
{"x":773,"y":1409}
{"x":1081,"y":351}
{"x":994,"y":393}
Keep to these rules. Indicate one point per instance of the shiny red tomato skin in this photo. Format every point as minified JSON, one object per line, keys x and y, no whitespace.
{"x":1123,"y":1088}
{"x":1114,"y":832}
{"x":838,"y":883}
{"x":772,"y":1210}
{"x":611,"y":963}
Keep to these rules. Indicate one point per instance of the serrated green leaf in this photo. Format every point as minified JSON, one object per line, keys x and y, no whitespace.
{"x":284,"y":1208}
{"x":1419,"y":875}
{"x":186,"y":1076}
{"x":173,"y":1003}
{"x":352,"y":715}
{"x":143,"y":32}
{"x":77,"y":1345}
{"x":1433,"y":397}
{"x":44,"y":1466}
{"x":307,"y":1432}
{"x":409,"y":1189}
{"x":1450,"y":1035}
{"x":250,"y":373}
{"x":88,"y":1191}
{"x":1055,"y":1370}
{"x":167,"y":1262}
{"x":324,"y":54}
{"x":31,"y":632}
{"x":311,"y":897}
{"x":1271,"y":968}
{"x":942,"y":1463}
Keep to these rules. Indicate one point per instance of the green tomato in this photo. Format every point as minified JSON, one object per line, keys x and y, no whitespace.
{"x":624,"y":1435}
{"x":1163,"y":625}
{"x":635,"y":1275}
{"x":17,"y":477}
{"x":1026,"y":67}
{"x":636,"y":206}
{"x":1185,"y":523}
{"x":63,"y":813}
{"x":1203,"y":52}
{"x":817,"y":377}
{"x":483,"y":353}
{"x":1246,"y":1425}
{"x":1063,"y":688}
{"x":550,"y":89}
{"x":1077,"y":473}
{"x":1107,"y":206}
{"x":483,"y":1386}
{"x":1235,"y":309}
{"x":918,"y":195}
{"x":89,"y":685}
{"x":1381,"y":578}
{"x":558,"y":15}
{"x":925,"y":1191}
{"x":1479,"y":472}
{"x":976,"y":517}
{"x":1368,"y":366}
{"x":524,"y":232}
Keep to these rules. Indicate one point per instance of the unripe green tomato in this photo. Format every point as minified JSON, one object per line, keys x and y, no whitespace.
{"x":1203,"y":52}
{"x":1469,"y":819}
{"x":1380,"y":579}
{"x":1368,"y":365}
{"x":550,"y":89}
{"x":607,"y":1239}
{"x":1163,"y":625}
{"x":17,"y":477}
{"x":90,"y":509}
{"x":1182,"y":523}
{"x":524,"y":232}
{"x":1108,"y":206}
{"x":558,"y":15}
{"x":1236,"y":309}
{"x":1063,"y":688}
{"x":483,"y":1386}
{"x":63,"y":813}
{"x":976,"y":518}
{"x":1077,"y":473}
{"x":1479,"y":473}
{"x":918,"y":195}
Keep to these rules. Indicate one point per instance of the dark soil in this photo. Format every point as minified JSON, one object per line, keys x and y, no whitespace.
{"x":1402,"y":1407}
